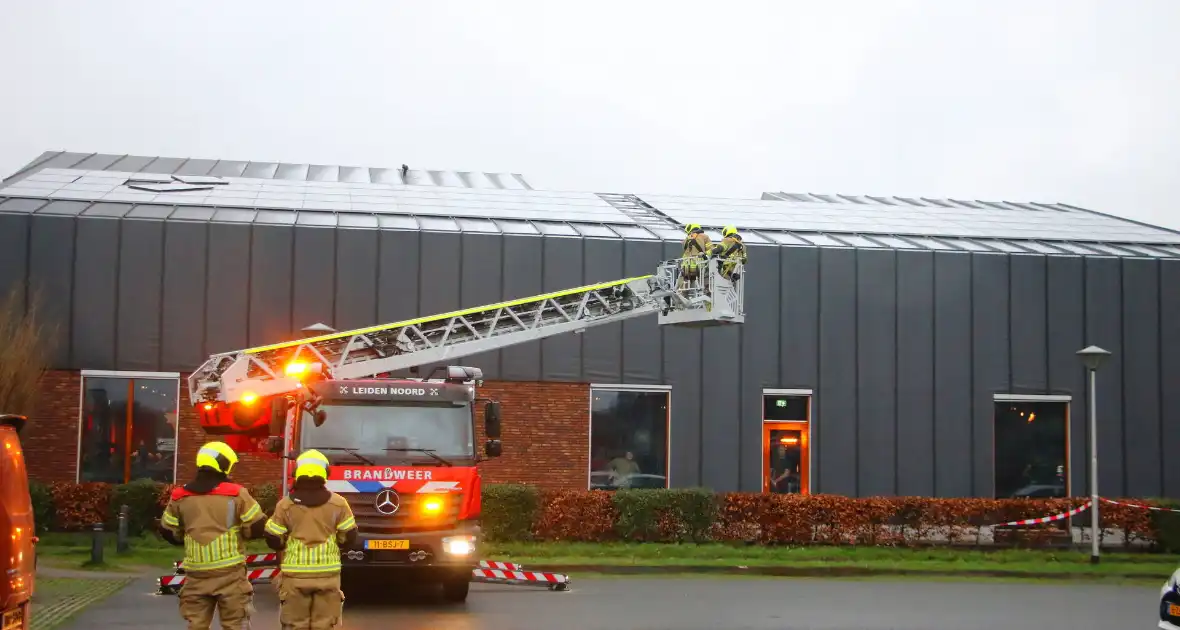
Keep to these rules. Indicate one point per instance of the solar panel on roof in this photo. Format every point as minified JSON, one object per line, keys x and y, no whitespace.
{"x":200,"y":179}
{"x":555,"y":229}
{"x":1005,"y":246}
{"x":149,"y":178}
{"x":857,"y":240}
{"x":820,"y":239}
{"x":172,"y":187}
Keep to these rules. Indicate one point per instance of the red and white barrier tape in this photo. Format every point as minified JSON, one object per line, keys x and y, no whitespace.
{"x":523,"y":576}
{"x":1135,"y":505}
{"x":1047,"y":519}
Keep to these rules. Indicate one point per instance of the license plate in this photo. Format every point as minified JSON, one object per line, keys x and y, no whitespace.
{"x":1174,"y":610}
{"x":14,"y":619}
{"x":387,"y":544}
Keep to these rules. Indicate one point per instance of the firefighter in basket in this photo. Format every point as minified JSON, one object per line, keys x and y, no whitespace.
{"x":730,"y":251}
{"x":308,"y":527}
{"x":694,"y":257}
{"x":210,"y":516}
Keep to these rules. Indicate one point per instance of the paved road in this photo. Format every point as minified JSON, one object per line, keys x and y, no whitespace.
{"x":704,"y":604}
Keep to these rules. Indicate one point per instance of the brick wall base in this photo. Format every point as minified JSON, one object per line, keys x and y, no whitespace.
{"x":545,"y":435}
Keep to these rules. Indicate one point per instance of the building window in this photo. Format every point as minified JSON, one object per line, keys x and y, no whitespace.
{"x":1031,"y":449}
{"x":128,"y":427}
{"x":628,"y":438}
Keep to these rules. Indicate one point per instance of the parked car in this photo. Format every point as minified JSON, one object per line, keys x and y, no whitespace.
{"x":1170,"y":603}
{"x":17,"y":531}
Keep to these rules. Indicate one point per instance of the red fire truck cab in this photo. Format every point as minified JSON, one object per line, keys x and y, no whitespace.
{"x":402,"y":451}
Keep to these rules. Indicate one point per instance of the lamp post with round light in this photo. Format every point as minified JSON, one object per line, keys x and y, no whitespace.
{"x":1093,"y":357}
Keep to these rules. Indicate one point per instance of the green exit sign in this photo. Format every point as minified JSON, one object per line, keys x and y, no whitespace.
{"x":780,"y":402}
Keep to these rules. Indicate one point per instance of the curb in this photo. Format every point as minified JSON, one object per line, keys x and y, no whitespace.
{"x":838,"y":571}
{"x":46,"y":616}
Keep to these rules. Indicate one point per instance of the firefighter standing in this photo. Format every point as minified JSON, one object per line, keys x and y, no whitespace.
{"x":730,"y":251}
{"x":309,"y":526}
{"x":209,"y":516}
{"x":696,"y":251}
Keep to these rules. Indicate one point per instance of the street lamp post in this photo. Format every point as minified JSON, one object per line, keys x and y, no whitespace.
{"x":1092,"y":357}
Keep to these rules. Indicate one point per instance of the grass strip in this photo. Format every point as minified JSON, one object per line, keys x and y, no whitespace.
{"x":57,"y":600}
{"x":72,"y":551}
{"x":815,"y":560}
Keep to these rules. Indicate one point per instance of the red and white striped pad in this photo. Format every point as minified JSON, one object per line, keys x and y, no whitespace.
{"x":503,"y":566}
{"x":522,"y":576}
{"x":1047,"y":519}
{"x":1135,"y":505}
{"x":250,"y":559}
{"x":256,"y":576}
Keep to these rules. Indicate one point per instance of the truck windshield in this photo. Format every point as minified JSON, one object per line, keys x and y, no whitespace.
{"x":371,"y":429}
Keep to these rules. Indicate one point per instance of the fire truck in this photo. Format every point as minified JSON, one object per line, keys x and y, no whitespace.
{"x":402,"y":450}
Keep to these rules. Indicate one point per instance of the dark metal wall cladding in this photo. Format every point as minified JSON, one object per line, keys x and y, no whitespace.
{"x":522,"y":277}
{"x":561,"y":356}
{"x":14,"y":255}
{"x":95,"y":293}
{"x":759,"y":358}
{"x":904,"y":349}
{"x":482,"y":283}
{"x":138,"y":325}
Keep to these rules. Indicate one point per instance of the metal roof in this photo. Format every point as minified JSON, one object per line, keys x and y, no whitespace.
{"x":635,"y":231}
{"x":196,"y":192}
{"x":915,"y":217}
{"x":281,"y":171}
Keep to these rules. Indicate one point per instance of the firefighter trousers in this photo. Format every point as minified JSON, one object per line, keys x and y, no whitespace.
{"x":227,"y":592}
{"x":310,"y":603}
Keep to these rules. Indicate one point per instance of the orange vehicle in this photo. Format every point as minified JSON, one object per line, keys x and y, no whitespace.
{"x":17,"y":555}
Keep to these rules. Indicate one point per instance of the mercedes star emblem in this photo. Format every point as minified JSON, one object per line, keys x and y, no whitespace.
{"x":387,"y":501}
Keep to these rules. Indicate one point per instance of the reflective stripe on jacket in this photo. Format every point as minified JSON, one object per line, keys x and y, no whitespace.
{"x":313,"y":534}
{"x":211,"y":525}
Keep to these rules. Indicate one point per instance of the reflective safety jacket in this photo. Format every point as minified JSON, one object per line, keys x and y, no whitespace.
{"x":310,"y":534}
{"x":211,"y":524}
{"x":697,"y":245}
{"x":731,"y":248}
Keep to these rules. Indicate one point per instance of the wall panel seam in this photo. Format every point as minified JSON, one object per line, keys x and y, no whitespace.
{"x":119,"y":227}
{"x":1123,"y":372}
{"x":1159,"y":369}
{"x":162,"y":287}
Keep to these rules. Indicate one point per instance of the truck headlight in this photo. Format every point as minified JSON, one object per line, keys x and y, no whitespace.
{"x":458,"y":545}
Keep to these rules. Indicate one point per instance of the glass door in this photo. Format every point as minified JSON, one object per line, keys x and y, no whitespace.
{"x":786,"y":458}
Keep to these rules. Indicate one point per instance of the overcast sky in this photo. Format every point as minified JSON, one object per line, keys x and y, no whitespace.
{"x":1073,"y":101}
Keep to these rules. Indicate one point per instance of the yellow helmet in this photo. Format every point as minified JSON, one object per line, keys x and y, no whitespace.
{"x":218,"y":456}
{"x":311,"y":463}
{"x":729,"y":231}
{"x":692,"y":227}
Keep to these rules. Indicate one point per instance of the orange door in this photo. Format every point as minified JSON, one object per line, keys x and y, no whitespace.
{"x":786,"y":448}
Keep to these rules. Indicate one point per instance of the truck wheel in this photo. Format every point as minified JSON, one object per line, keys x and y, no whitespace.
{"x":455,"y":589}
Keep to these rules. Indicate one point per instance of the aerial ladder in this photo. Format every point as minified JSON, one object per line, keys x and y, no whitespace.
{"x":230,"y":387}
{"x":703,"y":300}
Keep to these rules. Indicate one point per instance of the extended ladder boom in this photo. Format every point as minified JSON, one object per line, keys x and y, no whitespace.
{"x":368,"y":352}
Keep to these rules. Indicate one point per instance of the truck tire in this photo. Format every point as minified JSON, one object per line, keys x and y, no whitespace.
{"x":455,"y":589}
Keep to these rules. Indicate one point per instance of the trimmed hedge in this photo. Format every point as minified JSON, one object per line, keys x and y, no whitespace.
{"x":518,"y":512}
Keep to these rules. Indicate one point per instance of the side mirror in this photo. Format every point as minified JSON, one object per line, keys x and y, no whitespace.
{"x":491,"y":420}
{"x":279,"y":406}
{"x":320,"y":417}
{"x":493,"y":448}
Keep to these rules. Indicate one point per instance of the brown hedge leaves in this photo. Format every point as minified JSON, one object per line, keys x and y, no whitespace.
{"x":695,"y":515}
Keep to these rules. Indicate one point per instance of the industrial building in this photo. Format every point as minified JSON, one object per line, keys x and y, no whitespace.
{"x":892,"y":346}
